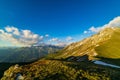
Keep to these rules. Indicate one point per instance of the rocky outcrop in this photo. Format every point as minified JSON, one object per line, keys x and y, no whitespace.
{"x":11,"y":73}
{"x":78,"y":58}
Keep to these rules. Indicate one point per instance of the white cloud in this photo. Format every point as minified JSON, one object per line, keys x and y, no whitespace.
{"x":41,"y":37}
{"x":13,"y":30}
{"x":69,"y":38}
{"x":47,"y":35}
{"x":19,"y":37}
{"x":54,"y":40}
{"x":61,"y":42}
{"x":85,"y":32}
{"x":1,"y":31}
{"x":113,"y":23}
{"x":9,"y":29}
{"x":97,"y":29}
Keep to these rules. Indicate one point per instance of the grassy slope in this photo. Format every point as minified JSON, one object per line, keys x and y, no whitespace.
{"x":63,"y":70}
{"x":110,"y":50}
{"x":86,"y":46}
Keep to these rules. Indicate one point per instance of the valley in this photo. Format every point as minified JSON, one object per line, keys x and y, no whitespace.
{"x":94,"y":58}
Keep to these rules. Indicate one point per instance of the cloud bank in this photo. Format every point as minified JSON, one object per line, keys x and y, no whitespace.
{"x":113,"y":23}
{"x":58,"y":42}
{"x":19,"y":37}
{"x":23,"y":38}
{"x":69,"y":38}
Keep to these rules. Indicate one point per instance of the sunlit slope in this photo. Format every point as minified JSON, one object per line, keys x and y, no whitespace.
{"x":111,"y":48}
{"x":106,"y":44}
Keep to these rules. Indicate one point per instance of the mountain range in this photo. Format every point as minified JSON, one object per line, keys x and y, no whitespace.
{"x":26,"y":54}
{"x":76,"y":61}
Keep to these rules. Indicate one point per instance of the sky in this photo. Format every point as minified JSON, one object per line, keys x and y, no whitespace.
{"x":58,"y":22}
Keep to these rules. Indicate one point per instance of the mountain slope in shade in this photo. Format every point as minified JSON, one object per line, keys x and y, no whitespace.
{"x":26,"y":54}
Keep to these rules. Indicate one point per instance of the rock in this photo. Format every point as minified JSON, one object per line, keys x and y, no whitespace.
{"x":10,"y":72}
{"x":78,"y":58}
{"x":19,"y":77}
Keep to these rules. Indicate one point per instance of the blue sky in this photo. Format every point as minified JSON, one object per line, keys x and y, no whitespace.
{"x":57,"y":18}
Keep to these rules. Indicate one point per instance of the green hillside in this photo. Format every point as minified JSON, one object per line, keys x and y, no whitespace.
{"x":111,"y":48}
{"x":88,"y":45}
{"x":105,"y":45}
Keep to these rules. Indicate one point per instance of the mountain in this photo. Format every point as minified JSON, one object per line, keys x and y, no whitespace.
{"x":106,"y":40}
{"x":26,"y":54}
{"x":77,"y":61}
{"x":104,"y":45}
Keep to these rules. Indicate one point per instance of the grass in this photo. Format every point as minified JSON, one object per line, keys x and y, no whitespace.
{"x":64,"y":70}
{"x":4,"y":66}
{"x":111,"y":48}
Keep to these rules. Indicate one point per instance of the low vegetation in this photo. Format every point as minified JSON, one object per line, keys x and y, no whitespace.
{"x":63,"y":70}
